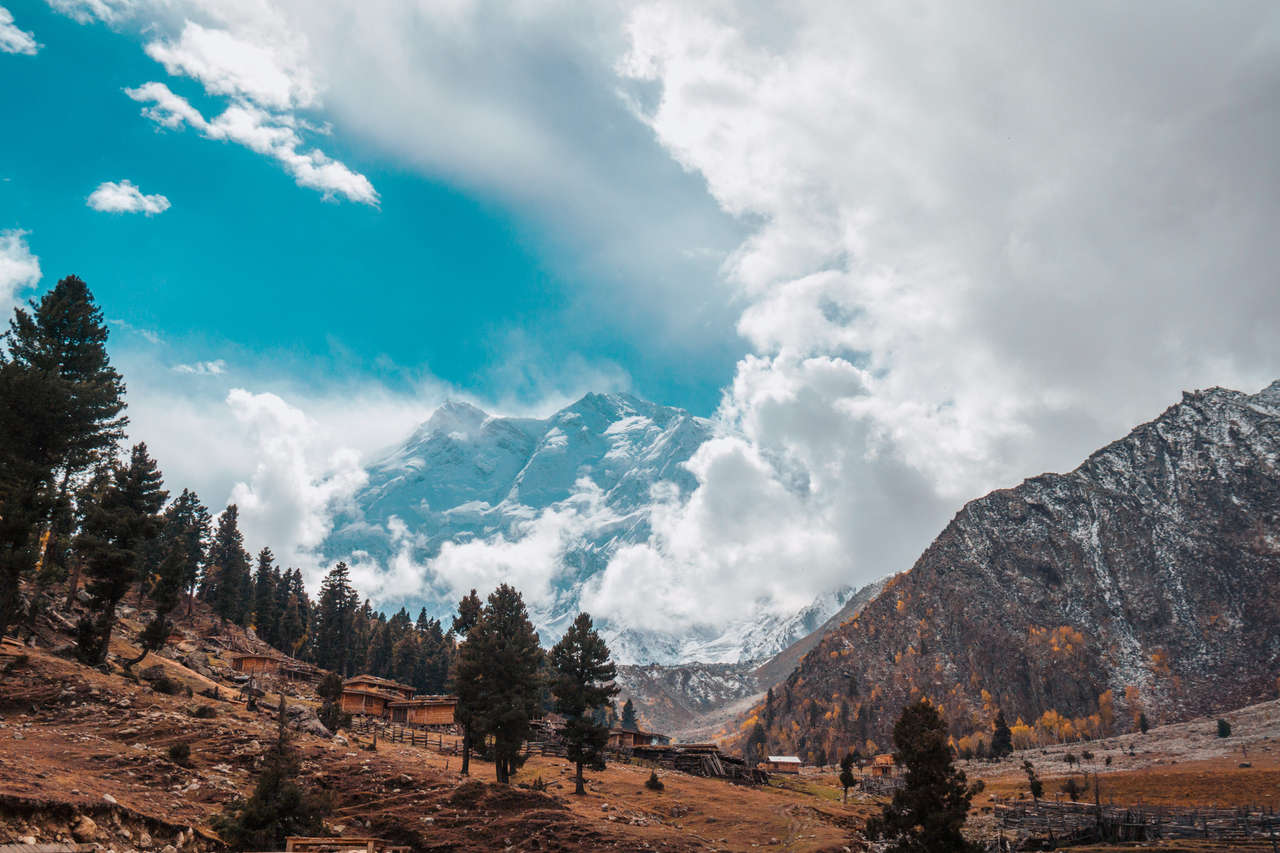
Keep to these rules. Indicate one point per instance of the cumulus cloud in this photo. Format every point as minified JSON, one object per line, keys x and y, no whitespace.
{"x":14,"y":40}
{"x":261,"y":131}
{"x":19,"y":268}
{"x":85,"y":11}
{"x":124,"y":197}
{"x":284,"y":498}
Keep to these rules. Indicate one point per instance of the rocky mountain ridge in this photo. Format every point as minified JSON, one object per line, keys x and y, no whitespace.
{"x":1143,"y":581}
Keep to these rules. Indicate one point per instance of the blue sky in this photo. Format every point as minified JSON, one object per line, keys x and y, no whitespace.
{"x":905,"y":256}
{"x":246,"y":266}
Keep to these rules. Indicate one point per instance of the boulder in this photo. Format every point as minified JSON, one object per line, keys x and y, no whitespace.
{"x":304,"y":719}
{"x":155,"y":672}
{"x":84,"y":829}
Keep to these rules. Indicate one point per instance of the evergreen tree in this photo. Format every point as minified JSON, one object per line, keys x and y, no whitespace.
{"x":629,"y":715}
{"x":497,"y":677}
{"x":467,"y":708}
{"x":165,"y":591}
{"x":120,"y":521}
{"x":1001,"y":738}
{"x":33,"y":441}
{"x":62,"y":405}
{"x":227,"y":582}
{"x":1033,"y":781}
{"x":335,"y":614}
{"x":266,"y":616}
{"x":583,"y":682}
{"x":433,"y":670}
{"x":64,"y":335}
{"x":927,"y":813}
{"x":847,"y":779}
{"x":187,"y":525}
{"x":1143,"y":725}
{"x":756,"y":743}
{"x":278,"y":808}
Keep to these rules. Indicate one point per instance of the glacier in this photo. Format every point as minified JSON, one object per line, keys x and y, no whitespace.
{"x":559,"y":495}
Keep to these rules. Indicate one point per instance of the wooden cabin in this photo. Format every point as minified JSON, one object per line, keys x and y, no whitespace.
{"x":620,"y":738}
{"x":256,"y":664}
{"x":365,"y":702}
{"x":883,"y":765}
{"x":782,"y":764}
{"x":424,"y":711}
{"x":382,"y":685}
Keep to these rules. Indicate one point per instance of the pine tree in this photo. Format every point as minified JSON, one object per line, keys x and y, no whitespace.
{"x":165,"y":591}
{"x":278,"y":808}
{"x":227,"y":578}
{"x":756,"y":744}
{"x":122,"y":518}
{"x":266,"y":617}
{"x":847,"y":779}
{"x":583,"y":682}
{"x":187,"y":525}
{"x":61,"y":406}
{"x":927,"y":813}
{"x":629,"y":715}
{"x":335,"y":613}
{"x":465,"y":712}
{"x":1001,"y":738}
{"x":33,"y":441}
{"x":497,"y":677}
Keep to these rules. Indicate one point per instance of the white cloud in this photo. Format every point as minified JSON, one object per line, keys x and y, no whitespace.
{"x":269,"y":76}
{"x":19,"y":269}
{"x":85,"y":11}
{"x":284,"y":498}
{"x":124,"y":197}
{"x":14,"y":40}
{"x":260,"y":131}
{"x":216,"y":367}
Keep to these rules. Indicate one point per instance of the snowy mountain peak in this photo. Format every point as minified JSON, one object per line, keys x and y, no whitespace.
{"x":471,"y":499}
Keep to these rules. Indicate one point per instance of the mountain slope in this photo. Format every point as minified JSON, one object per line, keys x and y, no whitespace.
{"x":1145,"y":580}
{"x":554,"y":498}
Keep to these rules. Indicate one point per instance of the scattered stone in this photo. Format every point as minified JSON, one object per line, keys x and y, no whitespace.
{"x":110,"y":799}
{"x":144,"y":839}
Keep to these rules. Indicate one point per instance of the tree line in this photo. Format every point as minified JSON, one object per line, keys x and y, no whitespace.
{"x":79,"y":510}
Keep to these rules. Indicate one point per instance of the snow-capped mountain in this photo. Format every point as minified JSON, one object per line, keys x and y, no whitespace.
{"x":555,"y":497}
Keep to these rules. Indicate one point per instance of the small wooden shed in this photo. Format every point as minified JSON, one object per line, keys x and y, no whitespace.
{"x":782,"y":764}
{"x":256,"y":664}
{"x":622,"y":738}
{"x":426,"y":711}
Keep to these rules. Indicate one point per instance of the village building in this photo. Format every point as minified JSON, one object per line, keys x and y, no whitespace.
{"x":382,"y":685}
{"x":782,"y":764}
{"x":424,"y":711}
{"x":883,"y":765}
{"x":620,"y":738}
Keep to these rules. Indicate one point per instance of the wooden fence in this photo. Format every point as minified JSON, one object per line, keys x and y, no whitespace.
{"x":1076,"y":823}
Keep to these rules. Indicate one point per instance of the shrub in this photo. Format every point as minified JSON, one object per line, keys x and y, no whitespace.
{"x":166,"y":685}
{"x":180,"y":753}
{"x":1143,"y":725}
{"x":1224,"y":728}
{"x":1086,"y":755}
{"x":653,"y":783}
{"x":204,"y":712}
{"x":1074,"y":789}
{"x":1108,"y":760}
{"x":538,"y":784}
{"x":1070,"y":758}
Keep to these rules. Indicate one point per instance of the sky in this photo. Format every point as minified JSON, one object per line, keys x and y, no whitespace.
{"x":902,"y":253}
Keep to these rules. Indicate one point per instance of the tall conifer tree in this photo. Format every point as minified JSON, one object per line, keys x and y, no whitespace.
{"x":124,"y":516}
{"x":583,"y":683}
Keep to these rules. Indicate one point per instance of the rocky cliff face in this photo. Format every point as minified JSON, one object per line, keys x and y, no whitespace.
{"x":1148,"y":579}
